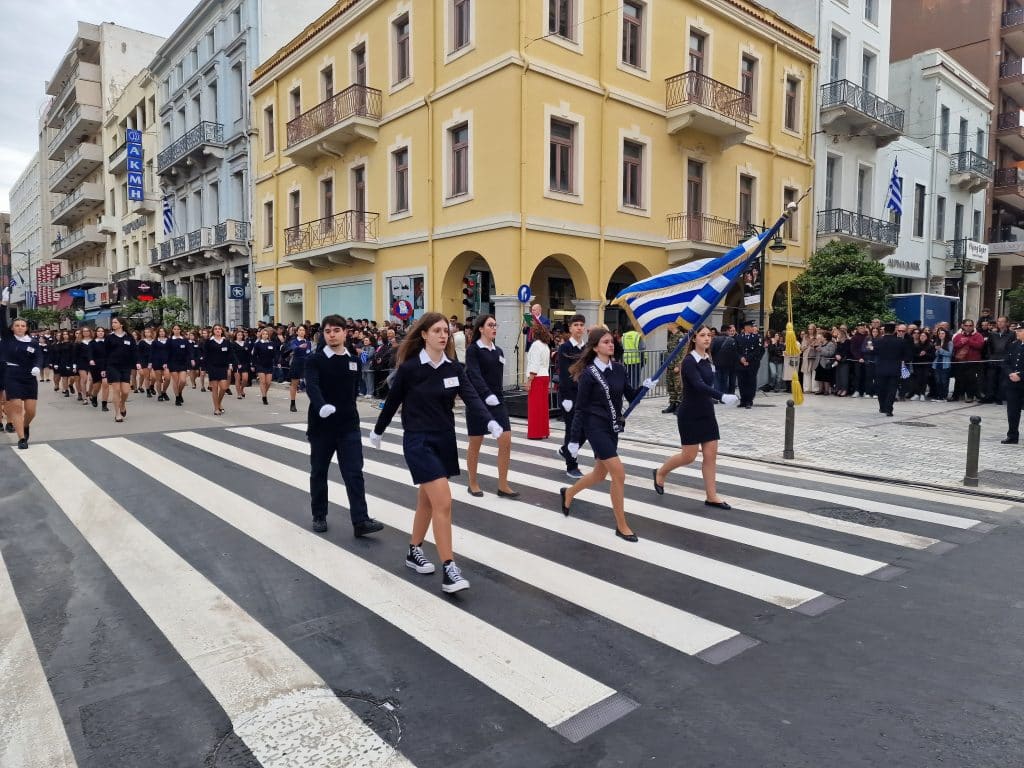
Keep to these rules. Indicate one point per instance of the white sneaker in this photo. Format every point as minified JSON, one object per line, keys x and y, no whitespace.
{"x":453,"y":580}
{"x":418,"y":561}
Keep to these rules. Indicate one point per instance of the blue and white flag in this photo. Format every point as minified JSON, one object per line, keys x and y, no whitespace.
{"x":168,"y":215}
{"x":894,"y":198}
{"x":686,"y":294}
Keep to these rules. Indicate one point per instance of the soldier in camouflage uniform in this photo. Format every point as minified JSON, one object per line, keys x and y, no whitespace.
{"x":674,"y":382}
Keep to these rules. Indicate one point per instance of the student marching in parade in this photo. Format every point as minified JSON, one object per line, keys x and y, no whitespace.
{"x":144,"y":352}
{"x":698,"y":426}
{"x":98,"y":367}
{"x":180,"y":356}
{"x":601,"y":384}
{"x":425,"y":384}
{"x":120,"y":360}
{"x":299,"y":348}
{"x":158,"y":359}
{"x":332,"y":383}
{"x":241,"y":359}
{"x":217,"y":355}
{"x":66,"y":364}
{"x":47,"y":347}
{"x":568,"y":353}
{"x":264,"y":352}
{"x":197,"y":358}
{"x":485,"y":367}
{"x":137,"y":373}
{"x":22,"y":360}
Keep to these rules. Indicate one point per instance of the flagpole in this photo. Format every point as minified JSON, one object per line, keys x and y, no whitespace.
{"x":755,"y":254}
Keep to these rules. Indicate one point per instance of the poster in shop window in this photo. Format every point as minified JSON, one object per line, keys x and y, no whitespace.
{"x":406,"y":288}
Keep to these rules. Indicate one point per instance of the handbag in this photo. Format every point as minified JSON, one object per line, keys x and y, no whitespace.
{"x":904,"y":371}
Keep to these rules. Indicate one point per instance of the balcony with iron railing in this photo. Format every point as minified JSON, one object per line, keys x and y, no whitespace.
{"x":970,"y":171}
{"x":78,"y":166}
{"x":207,"y":138}
{"x":1012,"y":28}
{"x":1008,"y":187}
{"x":851,"y":109}
{"x":1006,"y":238}
{"x":81,"y":278}
{"x":348,"y":116}
{"x":337,"y":239}
{"x":880,"y":236}
{"x":1010,"y":131}
{"x":82,"y":241}
{"x":78,"y":124}
{"x":1011,"y":79}
{"x":697,"y":102}
{"x":81,"y":202}
{"x":700,"y":236}
{"x":957,"y":253}
{"x":231,"y":231}
{"x":180,"y":251}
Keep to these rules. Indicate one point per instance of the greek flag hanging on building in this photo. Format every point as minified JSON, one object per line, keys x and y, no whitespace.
{"x":168,"y":216}
{"x":684,"y":294}
{"x":894,"y":198}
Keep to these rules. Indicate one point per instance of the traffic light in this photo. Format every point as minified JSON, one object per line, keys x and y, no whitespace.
{"x":468,"y":293}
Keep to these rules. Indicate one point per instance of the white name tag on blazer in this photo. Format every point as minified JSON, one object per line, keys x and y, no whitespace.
{"x":127,"y":343}
{"x":352,"y":366}
{"x":451,"y":381}
{"x":501,"y":360}
{"x":222,"y":349}
{"x":30,"y":350}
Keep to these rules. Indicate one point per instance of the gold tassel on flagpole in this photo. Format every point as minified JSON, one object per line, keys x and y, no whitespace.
{"x":792,"y":346}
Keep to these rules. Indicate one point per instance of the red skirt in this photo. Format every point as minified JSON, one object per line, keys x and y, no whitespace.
{"x":538,"y":427}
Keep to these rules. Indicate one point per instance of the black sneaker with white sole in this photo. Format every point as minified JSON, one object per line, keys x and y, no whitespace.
{"x":453,"y":580}
{"x":418,"y":561}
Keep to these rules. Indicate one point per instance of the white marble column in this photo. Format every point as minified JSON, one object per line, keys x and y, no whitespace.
{"x":508,"y":311}
{"x":590,"y":309}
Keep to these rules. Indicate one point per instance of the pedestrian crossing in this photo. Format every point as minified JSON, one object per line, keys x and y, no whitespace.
{"x":186,"y":521}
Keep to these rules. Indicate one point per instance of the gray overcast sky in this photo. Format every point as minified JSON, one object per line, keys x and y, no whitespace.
{"x":36,"y":35}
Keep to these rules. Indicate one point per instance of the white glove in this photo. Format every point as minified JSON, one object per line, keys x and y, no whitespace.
{"x":494,"y":428}
{"x":35,"y":371}
{"x":74,"y":369}
{"x":574,"y":449}
{"x":650,"y":383}
{"x":375,"y":440}
{"x":492,"y":400}
{"x":5,"y":296}
{"x":729,"y":399}
{"x":327,"y":410}
{"x":567,"y":405}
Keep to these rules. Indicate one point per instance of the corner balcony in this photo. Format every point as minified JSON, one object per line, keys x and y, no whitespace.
{"x":205,"y":139}
{"x":1012,"y":28}
{"x":78,"y":125}
{"x":327,"y":128}
{"x":1011,"y":79}
{"x":970,"y":171}
{"x":231,"y":231}
{"x":78,"y":166}
{"x":118,"y":160}
{"x":183,"y":251}
{"x":81,"y":278}
{"x":338,"y":239}
{"x":700,"y":236}
{"x":696,"y":102}
{"x":849,"y":109}
{"x":1009,"y":187}
{"x":1010,"y":131}
{"x":80,"y":242}
{"x":83,"y":201}
{"x":879,"y":236}
{"x":81,"y":87}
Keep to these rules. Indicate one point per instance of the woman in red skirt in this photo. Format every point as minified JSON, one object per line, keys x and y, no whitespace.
{"x":538,"y":370}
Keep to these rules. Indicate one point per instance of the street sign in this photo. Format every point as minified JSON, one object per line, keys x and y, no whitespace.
{"x":133,"y":153}
{"x":76,"y":293}
{"x":977,"y":252}
{"x":237,"y":291}
{"x":402,"y":309}
{"x":524,"y":293}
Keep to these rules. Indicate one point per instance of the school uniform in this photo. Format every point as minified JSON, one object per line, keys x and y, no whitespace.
{"x":599,"y":406}
{"x":98,"y":360}
{"x":426,"y":393}
{"x":300,"y":349}
{"x":568,"y":353}
{"x":485,"y":367}
{"x":121,"y":357}
{"x":158,"y":354}
{"x":179,"y":354}
{"x":22,"y":360}
{"x":263,"y":355}
{"x":144,"y":353}
{"x":217,"y":358}
{"x":332,"y":378}
{"x":695,"y":416}
{"x":241,"y":358}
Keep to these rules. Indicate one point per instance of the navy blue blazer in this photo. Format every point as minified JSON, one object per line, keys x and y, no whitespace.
{"x":890,"y":354}
{"x":699,"y":392}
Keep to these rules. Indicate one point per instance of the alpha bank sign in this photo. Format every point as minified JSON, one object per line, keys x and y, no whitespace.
{"x":133,"y":148}
{"x":902,"y":266}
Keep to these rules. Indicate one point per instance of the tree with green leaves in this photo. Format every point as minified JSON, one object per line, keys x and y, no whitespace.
{"x":1015,"y":302}
{"x":842,"y":284}
{"x":41,"y":317}
{"x":165,"y":311}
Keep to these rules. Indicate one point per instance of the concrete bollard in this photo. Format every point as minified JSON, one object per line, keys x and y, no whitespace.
{"x":787,"y":451}
{"x":973,"y":446}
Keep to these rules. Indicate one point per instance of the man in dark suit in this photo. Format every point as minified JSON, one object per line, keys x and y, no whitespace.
{"x":890,"y":354}
{"x":725,"y":359}
{"x":750,"y":348}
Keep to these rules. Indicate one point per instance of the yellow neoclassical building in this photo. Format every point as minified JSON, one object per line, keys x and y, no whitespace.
{"x":449,"y":151}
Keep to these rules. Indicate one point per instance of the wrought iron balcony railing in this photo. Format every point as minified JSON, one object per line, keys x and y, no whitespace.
{"x":844,"y":93}
{"x":1011,"y":68}
{"x":204,"y":133}
{"x":124,"y":274}
{"x":230,"y":230}
{"x":1009,"y":177}
{"x":695,"y":88}
{"x":702,"y":228}
{"x":859,"y":225}
{"x":354,"y":101}
{"x":165,"y":249}
{"x":971,"y":162}
{"x":347,"y":227}
{"x":1013,"y":17}
{"x":1009,"y":121}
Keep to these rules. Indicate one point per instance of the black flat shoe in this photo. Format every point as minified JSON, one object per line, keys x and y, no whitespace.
{"x":508,"y":494}
{"x":366,"y":527}
{"x":658,"y":487}
{"x":471,"y":492}
{"x":717,"y":504}
{"x":565,"y":509}
{"x":1008,"y":441}
{"x":23,"y":444}
{"x":319,"y":525}
{"x":626,"y":536}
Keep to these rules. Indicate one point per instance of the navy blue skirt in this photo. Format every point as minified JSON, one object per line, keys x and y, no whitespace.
{"x":430,"y":455}
{"x":602,"y":439}
{"x":475,"y":427}
{"x":177,"y":367}
{"x":697,"y":431}
{"x":218,"y":372}
{"x":20,"y":386}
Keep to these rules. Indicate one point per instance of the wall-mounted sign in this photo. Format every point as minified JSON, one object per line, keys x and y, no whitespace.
{"x":131,"y":226}
{"x":133,"y":147}
{"x":904,"y":267}
{"x":236,"y":291}
{"x":977,"y":252}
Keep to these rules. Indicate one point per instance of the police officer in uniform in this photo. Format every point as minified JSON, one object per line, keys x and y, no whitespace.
{"x":750,"y":348}
{"x":1013,"y":385}
{"x":674,"y":381}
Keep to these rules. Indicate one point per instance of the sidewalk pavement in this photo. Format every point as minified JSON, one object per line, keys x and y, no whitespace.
{"x":923,"y":444}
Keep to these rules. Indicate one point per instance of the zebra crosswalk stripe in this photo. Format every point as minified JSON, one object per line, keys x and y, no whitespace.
{"x":559,"y":696}
{"x":287,"y":715}
{"x":31,"y":732}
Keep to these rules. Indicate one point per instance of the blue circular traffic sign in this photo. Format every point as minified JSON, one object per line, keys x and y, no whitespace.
{"x":524,"y":293}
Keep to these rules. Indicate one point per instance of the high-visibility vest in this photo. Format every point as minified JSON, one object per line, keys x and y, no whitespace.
{"x":631,"y":348}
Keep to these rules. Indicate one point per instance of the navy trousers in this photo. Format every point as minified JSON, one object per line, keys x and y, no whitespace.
{"x":349,"y":449}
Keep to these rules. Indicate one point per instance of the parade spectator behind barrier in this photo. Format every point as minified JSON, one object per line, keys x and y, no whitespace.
{"x":458,"y":331}
{"x":942,"y":345}
{"x":538,"y":378}
{"x":997,"y":342}
{"x":967,"y":348}
{"x":921,"y":370}
{"x":809,"y":346}
{"x":383,"y":362}
{"x":858,"y":373}
{"x":825,"y":371}
{"x":725,"y":358}
{"x":870,"y":361}
{"x":776,"y":348}
{"x":841,"y":384}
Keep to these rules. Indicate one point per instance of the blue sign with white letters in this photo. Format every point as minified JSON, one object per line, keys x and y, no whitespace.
{"x":133,"y":152}
{"x":524,"y":293}
{"x":237,"y":291}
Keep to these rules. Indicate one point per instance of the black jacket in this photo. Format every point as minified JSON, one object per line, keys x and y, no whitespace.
{"x":120,"y":350}
{"x":568,"y":353}
{"x":486,"y":369}
{"x":592,"y":402}
{"x":890,"y":354}
{"x":333,"y":381}
{"x":699,"y":391}
{"x":723,"y":352}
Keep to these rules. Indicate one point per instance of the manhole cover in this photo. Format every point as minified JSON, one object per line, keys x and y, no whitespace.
{"x":307,"y":728}
{"x":853,"y":515}
{"x":915,"y":424}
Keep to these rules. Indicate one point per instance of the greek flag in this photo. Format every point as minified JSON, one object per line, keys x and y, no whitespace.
{"x":168,"y":215}
{"x":686,"y":294}
{"x":894,"y":199}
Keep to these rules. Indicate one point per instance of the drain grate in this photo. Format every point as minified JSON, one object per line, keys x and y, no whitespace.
{"x":854,"y":515}
{"x":914,"y":424}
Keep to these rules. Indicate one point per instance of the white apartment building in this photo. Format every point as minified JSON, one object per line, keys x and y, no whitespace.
{"x":100,"y":61}
{"x":26,"y":230}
